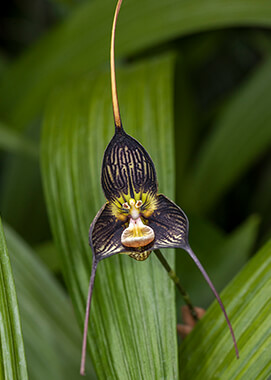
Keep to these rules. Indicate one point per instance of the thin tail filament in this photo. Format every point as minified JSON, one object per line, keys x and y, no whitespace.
{"x":90,"y":291}
{"x":205,"y":275}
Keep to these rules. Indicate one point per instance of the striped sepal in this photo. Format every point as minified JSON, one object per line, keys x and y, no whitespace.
{"x":127,"y":168}
{"x":105,"y":234}
{"x":170,"y":224}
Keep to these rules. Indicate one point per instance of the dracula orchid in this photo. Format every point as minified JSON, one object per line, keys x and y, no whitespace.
{"x":135,"y":220}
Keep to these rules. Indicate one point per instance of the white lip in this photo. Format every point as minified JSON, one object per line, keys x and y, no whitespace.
{"x":130,"y":236}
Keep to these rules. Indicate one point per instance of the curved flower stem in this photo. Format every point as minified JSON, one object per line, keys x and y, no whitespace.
{"x":115,"y":102}
{"x":172,"y":274}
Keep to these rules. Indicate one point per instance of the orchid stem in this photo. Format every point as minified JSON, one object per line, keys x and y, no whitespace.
{"x":172,"y":274}
{"x":115,"y":101}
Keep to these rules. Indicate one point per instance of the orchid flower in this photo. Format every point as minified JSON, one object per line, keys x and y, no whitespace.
{"x":135,"y":220}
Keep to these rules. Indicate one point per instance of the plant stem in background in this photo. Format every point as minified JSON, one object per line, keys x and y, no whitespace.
{"x":177,"y":282}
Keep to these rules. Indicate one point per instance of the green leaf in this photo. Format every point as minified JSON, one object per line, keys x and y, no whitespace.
{"x":49,"y":255}
{"x":21,"y":171}
{"x":81,"y":43}
{"x":52,"y":338}
{"x":248,"y":302}
{"x":132,"y":331}
{"x":13,"y":363}
{"x":14,"y":142}
{"x":240,"y":137}
{"x":186,"y":122}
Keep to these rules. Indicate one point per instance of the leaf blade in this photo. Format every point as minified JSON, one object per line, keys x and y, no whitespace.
{"x":81,"y":43}
{"x":12,"y":346}
{"x":248,"y":303}
{"x":143,"y":335}
{"x":48,"y":323}
{"x":241,"y":136}
{"x":12,"y":141}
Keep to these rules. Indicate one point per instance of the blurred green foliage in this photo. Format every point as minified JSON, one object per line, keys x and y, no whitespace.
{"x":195,"y":87}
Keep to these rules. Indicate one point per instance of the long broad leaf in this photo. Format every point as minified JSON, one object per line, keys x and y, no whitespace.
{"x":13,"y":363}
{"x":81,"y":43}
{"x":132,"y":332}
{"x":248,"y":300}
{"x":14,"y":142}
{"x":51,"y":335}
{"x":22,"y":172}
{"x":240,"y":137}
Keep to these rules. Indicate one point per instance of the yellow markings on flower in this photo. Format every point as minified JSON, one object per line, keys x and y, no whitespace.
{"x":138,"y":256}
{"x":134,"y":212}
{"x":137,"y":234}
{"x":143,"y":204}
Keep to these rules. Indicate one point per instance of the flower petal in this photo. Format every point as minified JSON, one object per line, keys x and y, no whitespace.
{"x":170,"y":224}
{"x":137,"y":234}
{"x":105,"y":234}
{"x":127,"y":168}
